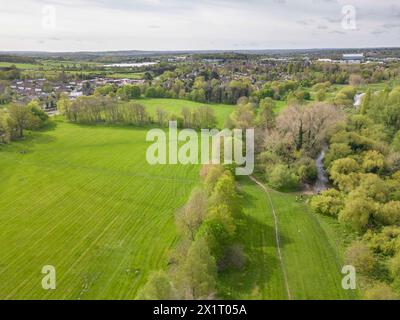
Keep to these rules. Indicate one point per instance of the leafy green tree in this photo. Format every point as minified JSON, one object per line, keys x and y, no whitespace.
{"x":37,"y":111}
{"x":196,"y":276}
{"x":158,"y":287}
{"x":211,"y":175}
{"x":360,"y":256}
{"x":389,"y":213}
{"x":373,"y":161}
{"x":329,"y":202}
{"x":266,"y":115}
{"x":365,"y":103}
{"x":224,"y":193}
{"x":337,"y":151}
{"x":282,"y":178}
{"x":344,"y":173}
{"x":21,"y":118}
{"x":190,"y":217}
{"x":358,"y":211}
{"x":4,"y":129}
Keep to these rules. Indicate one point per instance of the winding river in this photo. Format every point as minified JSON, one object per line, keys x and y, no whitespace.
{"x":322,"y":182}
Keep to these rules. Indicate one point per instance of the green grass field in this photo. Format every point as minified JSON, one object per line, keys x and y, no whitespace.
{"x":222,"y":111}
{"x":311,"y":254}
{"x":85,"y":200}
{"x":21,"y":65}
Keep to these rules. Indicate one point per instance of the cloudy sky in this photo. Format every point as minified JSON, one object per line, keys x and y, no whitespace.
{"x":78,"y":25}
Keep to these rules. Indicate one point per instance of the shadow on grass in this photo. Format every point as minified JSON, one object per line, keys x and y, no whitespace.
{"x":261,"y":278}
{"x":27,"y":143}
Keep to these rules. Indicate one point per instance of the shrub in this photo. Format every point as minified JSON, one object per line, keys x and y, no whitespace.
{"x":361,"y":257}
{"x":282,"y":178}
{"x":329,"y":202}
{"x":381,"y":291}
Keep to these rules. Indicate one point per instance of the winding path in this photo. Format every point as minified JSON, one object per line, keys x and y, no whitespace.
{"x":277,"y":238}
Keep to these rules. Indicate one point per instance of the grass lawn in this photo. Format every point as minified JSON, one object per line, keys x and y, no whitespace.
{"x":222,"y":111}
{"x":20,"y":65}
{"x":262,"y":277}
{"x":313,"y":263}
{"x":84,"y":200}
{"x":312,"y":254}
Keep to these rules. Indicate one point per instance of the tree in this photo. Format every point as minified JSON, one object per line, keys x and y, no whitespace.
{"x":196,"y":275}
{"x":344,"y":173}
{"x":39,"y":114}
{"x":365,"y":103}
{"x":355,"y":80}
{"x":190,"y":217}
{"x":243,"y":117}
{"x":361,"y":257}
{"x":282,"y":178}
{"x":224,"y":193}
{"x":306,"y":127}
{"x":373,"y":161}
{"x":358,"y":211}
{"x":4,"y":129}
{"x":266,"y":116}
{"x":186,"y":115}
{"x":389,"y":213}
{"x":158,"y":287}
{"x":128,"y":92}
{"x":161,"y":116}
{"x":329,"y":202}
{"x":21,"y":118}
{"x":64,"y":105}
{"x":211,"y":175}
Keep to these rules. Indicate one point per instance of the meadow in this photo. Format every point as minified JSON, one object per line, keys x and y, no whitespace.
{"x":84,"y":200}
{"x":312,"y":258}
{"x":174,"y":106}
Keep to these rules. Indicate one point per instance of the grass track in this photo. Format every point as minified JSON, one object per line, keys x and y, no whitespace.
{"x":311,"y":260}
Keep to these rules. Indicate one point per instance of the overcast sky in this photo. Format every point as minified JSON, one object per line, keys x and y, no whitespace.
{"x":77,"y":25}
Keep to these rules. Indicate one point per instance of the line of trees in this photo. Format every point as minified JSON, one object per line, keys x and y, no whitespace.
{"x":207,"y":224}
{"x":104,"y":109}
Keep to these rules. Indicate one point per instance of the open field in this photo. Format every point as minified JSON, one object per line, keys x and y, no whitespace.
{"x":222,"y":111}
{"x":312,"y":262}
{"x":311,"y":257}
{"x":20,"y":65}
{"x":84,"y":200}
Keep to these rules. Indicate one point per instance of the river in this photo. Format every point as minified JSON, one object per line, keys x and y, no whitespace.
{"x":322,"y":182}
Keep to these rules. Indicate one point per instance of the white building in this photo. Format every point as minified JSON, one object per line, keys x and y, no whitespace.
{"x":353,"y":58}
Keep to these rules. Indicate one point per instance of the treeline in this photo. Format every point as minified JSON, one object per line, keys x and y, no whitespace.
{"x":17,"y":118}
{"x":207,"y":224}
{"x":104,"y":109}
{"x":11,"y":73}
{"x":363,"y":162}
